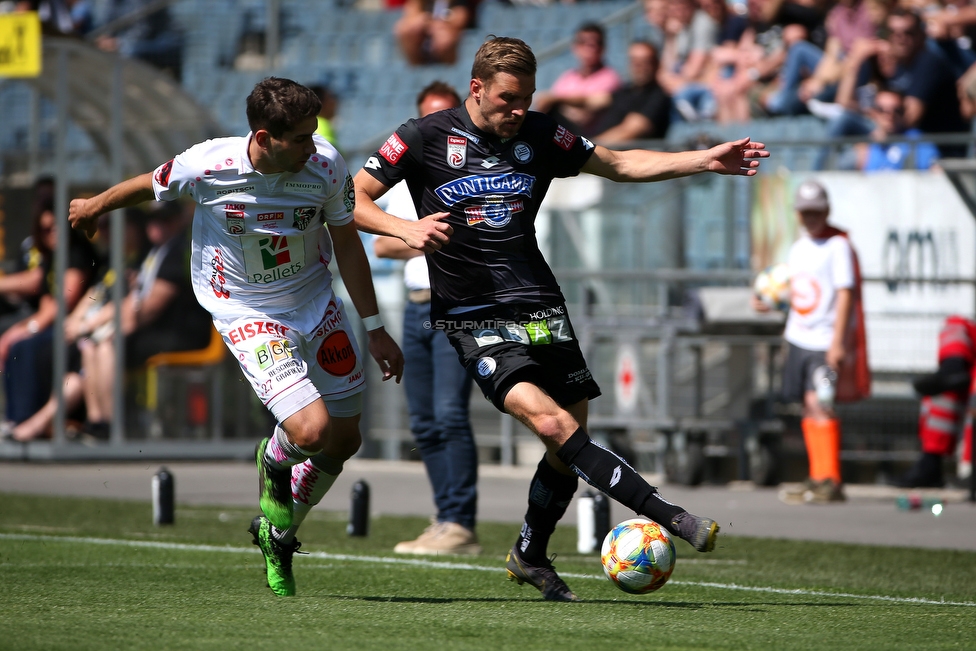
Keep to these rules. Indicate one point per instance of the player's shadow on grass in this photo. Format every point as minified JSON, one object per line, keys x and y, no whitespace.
{"x":626,"y":601}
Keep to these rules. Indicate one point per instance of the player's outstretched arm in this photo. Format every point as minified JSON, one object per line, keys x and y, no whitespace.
{"x":740,"y":157}
{"x":428,"y":234}
{"x":354,"y":269}
{"x":83,"y":213}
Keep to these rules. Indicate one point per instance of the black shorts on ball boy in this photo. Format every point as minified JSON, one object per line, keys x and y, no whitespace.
{"x":503,"y":345}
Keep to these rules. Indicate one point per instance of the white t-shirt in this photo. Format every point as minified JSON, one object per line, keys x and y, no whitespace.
{"x":399,"y":203}
{"x":259,"y":242}
{"x":818,"y":269}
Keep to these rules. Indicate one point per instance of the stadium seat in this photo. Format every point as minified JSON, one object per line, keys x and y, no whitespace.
{"x":184,"y":390}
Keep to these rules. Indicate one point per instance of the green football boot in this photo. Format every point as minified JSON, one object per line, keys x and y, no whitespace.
{"x":274,"y":489}
{"x":277,"y":557}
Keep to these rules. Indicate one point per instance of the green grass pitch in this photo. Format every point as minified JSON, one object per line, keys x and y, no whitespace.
{"x":96,"y":574}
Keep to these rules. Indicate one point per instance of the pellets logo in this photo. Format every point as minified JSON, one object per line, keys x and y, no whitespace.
{"x":163,"y":172}
{"x":272,"y":352}
{"x":336,"y":355}
{"x":303,"y":217}
{"x":274,"y":251}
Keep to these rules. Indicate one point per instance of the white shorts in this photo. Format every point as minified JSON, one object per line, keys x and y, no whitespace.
{"x":289,"y":368}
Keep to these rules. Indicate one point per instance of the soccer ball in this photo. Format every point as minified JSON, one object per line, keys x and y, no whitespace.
{"x":638,"y":556}
{"x":772,"y":286}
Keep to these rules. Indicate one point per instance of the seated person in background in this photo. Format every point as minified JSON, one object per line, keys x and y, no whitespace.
{"x":639,"y":110}
{"x":592,"y":77}
{"x":159,"y":314}
{"x":26,"y":347}
{"x":888,"y":115}
{"x":689,"y":36}
{"x":330,"y":104}
{"x":90,"y":322}
{"x":154,"y":38}
{"x":429,"y":30}
{"x":21,"y":289}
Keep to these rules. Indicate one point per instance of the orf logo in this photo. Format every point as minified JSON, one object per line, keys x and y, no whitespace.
{"x":336,"y":355}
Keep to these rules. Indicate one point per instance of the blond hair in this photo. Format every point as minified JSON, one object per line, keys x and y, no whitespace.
{"x":502,"y":54}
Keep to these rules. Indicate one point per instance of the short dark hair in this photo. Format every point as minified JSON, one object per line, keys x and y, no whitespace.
{"x":502,"y":54}
{"x":593,"y":28}
{"x":440,"y":89}
{"x":277,"y":105}
{"x":918,"y":26}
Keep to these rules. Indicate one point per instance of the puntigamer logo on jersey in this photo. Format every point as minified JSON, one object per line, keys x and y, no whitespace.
{"x":303,"y":217}
{"x":474,"y":186}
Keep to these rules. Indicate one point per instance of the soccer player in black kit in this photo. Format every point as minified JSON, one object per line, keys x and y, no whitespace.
{"x":478,"y":174}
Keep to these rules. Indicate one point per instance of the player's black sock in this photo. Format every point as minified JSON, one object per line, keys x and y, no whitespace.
{"x":604,"y":470}
{"x":549,"y":495}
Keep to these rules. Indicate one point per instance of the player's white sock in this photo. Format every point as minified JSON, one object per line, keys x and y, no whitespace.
{"x":310,"y":481}
{"x":281,"y":453}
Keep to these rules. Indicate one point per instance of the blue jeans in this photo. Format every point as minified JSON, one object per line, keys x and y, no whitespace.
{"x":801,"y":61}
{"x":29,"y":375}
{"x":438,"y":392}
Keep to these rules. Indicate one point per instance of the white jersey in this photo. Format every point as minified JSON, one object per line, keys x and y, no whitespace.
{"x":259,"y":242}
{"x":818,"y":269}
{"x":400,"y":204}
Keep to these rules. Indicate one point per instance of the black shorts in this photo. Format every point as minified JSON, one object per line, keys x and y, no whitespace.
{"x":504,"y":345}
{"x":798,"y":371}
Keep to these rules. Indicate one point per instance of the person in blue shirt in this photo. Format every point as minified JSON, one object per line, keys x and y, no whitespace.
{"x":888,"y":115}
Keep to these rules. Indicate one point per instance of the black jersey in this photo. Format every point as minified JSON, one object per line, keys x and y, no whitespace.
{"x":492,"y":190}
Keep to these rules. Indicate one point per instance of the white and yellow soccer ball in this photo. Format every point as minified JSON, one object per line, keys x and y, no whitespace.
{"x":772,"y":286}
{"x":638,"y":556}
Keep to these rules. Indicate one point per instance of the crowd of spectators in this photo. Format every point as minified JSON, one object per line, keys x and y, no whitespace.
{"x":886,"y":70}
{"x":158,"y":314}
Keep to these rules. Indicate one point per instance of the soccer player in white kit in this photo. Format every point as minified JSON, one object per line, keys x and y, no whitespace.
{"x":272,"y":209}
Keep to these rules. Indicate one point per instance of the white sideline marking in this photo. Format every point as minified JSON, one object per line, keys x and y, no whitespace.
{"x":442,"y":565}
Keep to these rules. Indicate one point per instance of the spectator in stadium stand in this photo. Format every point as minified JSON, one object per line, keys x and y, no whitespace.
{"x":330,"y":103}
{"x":22,"y":288}
{"x":591,"y":77}
{"x":159,"y":314}
{"x":153,"y":38}
{"x":690,"y":34}
{"x":752,"y":65}
{"x":259,"y":265}
{"x":847,"y":22}
{"x":478,"y":174}
{"x":437,"y":386}
{"x":429,"y":30}
{"x":888,"y":116}
{"x":639,"y":110}
{"x":651,"y":27}
{"x":826,"y":347}
{"x":26,"y":347}
{"x":948,"y":405}
{"x":89,"y":324}
{"x":903,"y":63}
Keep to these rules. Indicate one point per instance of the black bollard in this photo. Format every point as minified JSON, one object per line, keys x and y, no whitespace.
{"x":163,"y":491}
{"x":359,"y":510}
